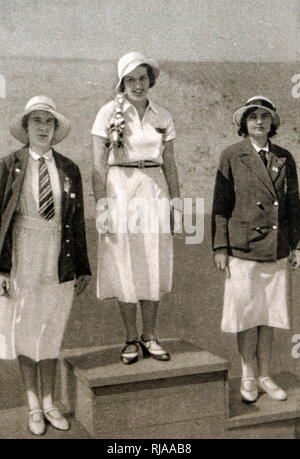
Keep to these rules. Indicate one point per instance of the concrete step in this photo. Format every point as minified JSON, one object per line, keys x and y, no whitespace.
{"x":266,"y":418}
{"x":13,"y":425}
{"x":158,"y":399}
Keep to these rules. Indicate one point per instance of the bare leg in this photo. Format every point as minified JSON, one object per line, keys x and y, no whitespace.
{"x":48,"y":374}
{"x":264,"y":354}
{"x":264,"y":350}
{"x":128,"y":313}
{"x":149,"y":314}
{"x":247,"y":345}
{"x":29,"y":371}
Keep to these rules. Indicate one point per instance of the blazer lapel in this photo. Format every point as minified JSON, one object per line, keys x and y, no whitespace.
{"x":13,"y":190}
{"x":15,"y":180}
{"x":252,"y":160}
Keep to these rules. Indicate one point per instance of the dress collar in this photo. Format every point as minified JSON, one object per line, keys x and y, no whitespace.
{"x":150,"y":106}
{"x":258,"y":148}
{"x":48,"y":155}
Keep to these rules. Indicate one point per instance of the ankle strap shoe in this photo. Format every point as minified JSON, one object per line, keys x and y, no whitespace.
{"x":36,"y":423}
{"x":272,"y":389}
{"x":153,"y":348}
{"x":249,"y":394}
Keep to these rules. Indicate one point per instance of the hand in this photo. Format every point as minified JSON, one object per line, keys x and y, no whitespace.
{"x":4,"y":284}
{"x":295,"y":259}
{"x":221,"y":261}
{"x":81,"y":284}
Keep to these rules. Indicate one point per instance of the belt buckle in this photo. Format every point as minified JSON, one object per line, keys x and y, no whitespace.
{"x":141,"y":164}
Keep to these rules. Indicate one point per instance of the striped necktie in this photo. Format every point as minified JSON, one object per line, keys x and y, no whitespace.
{"x":262,"y":154}
{"x":46,"y":203}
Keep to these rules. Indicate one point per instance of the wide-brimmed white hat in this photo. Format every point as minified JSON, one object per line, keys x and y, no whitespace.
{"x":131,"y":61}
{"x":257,"y":102}
{"x":47,"y":105}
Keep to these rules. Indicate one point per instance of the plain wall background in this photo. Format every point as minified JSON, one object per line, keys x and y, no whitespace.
{"x":214,"y":55}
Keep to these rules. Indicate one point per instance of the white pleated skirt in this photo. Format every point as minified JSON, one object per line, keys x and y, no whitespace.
{"x":256,"y":294}
{"x":136,"y":263}
{"x":33,"y":318}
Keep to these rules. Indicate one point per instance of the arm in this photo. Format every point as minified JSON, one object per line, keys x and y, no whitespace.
{"x":170,"y":170}
{"x":293,"y":203}
{"x":5,"y":250}
{"x":82,"y":267}
{"x":293,"y":211}
{"x":223,"y":204}
{"x":99,"y":167}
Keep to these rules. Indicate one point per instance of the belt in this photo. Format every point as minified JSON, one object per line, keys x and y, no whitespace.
{"x":139,"y":164}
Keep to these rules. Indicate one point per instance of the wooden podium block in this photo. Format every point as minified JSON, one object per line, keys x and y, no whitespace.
{"x":111,"y":399}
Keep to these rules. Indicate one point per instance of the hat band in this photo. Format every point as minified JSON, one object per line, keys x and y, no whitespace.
{"x":41,"y":106}
{"x":261,"y":102}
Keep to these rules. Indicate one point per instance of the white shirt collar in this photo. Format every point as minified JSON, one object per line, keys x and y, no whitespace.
{"x":48,"y":155}
{"x":127,"y":105}
{"x":258,"y":148}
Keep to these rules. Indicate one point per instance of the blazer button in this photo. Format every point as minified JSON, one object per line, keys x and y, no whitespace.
{"x":275,"y":203}
{"x":68,"y":254}
{"x":67,"y":241}
{"x":67,"y":226}
{"x":274,"y":227}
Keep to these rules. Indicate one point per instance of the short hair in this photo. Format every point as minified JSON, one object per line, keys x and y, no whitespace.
{"x":25,"y":121}
{"x":243,"y":131}
{"x":151,"y":76}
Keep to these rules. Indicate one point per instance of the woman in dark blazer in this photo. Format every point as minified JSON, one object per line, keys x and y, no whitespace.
{"x":255,"y":228}
{"x":43,"y":254}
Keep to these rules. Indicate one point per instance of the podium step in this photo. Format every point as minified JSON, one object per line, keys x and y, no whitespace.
{"x":266,"y":418}
{"x":186,"y":397}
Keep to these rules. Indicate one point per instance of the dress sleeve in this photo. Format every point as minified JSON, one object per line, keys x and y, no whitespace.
{"x":102,"y":121}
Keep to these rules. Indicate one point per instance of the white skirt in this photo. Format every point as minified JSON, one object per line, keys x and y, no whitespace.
{"x":34,"y":317}
{"x":255,"y":294}
{"x":136,"y":265}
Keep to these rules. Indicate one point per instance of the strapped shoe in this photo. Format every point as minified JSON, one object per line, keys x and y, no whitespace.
{"x":153,"y":348}
{"x":36,"y":423}
{"x":56,"y":419}
{"x":130,"y":352}
{"x":249,"y":394}
{"x":266,"y":384}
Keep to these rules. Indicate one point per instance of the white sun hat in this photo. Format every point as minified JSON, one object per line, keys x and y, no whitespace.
{"x":257,"y":102}
{"x":47,"y":105}
{"x":131,"y":61}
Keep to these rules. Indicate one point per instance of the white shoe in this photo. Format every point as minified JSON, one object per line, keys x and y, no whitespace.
{"x":36,"y":422}
{"x":271,"y":388}
{"x":56,"y":419}
{"x":249,"y":394}
{"x":152,"y":347}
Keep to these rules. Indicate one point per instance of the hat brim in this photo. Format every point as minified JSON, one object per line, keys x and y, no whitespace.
{"x":151,"y":62}
{"x":238,"y":115}
{"x":60,"y":133}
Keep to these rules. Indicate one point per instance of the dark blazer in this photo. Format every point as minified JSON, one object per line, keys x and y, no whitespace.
{"x":73,"y":260}
{"x":256,"y":212}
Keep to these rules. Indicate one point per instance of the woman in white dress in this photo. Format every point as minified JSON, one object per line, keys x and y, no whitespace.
{"x":134,"y":160}
{"x":43,"y":254}
{"x":256,"y":227}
